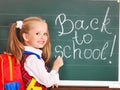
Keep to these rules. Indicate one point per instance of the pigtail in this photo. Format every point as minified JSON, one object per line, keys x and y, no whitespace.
{"x":15,"y":47}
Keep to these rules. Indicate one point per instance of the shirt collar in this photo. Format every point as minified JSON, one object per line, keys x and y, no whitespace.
{"x":31,"y":49}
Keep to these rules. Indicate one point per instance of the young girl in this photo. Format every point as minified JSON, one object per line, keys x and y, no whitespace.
{"x":29,"y":41}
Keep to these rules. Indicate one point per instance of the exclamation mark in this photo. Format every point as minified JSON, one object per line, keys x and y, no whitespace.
{"x":113,"y":45}
{"x":112,"y":49}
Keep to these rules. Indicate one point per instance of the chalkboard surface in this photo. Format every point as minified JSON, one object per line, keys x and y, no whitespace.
{"x":84,"y":32}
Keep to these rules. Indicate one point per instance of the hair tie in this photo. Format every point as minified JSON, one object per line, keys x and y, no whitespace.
{"x":19,"y":24}
{"x":18,"y":28}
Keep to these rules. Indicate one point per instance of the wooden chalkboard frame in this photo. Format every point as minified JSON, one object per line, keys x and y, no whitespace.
{"x":110,"y":84}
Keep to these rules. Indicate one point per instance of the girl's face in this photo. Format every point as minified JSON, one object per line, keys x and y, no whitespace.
{"x":37,"y":36}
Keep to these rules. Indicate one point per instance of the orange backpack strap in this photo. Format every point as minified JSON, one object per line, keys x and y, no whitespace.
{"x":10,"y":67}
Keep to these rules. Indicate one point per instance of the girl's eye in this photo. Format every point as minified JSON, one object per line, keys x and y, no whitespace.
{"x":37,"y":33}
{"x":45,"y":34}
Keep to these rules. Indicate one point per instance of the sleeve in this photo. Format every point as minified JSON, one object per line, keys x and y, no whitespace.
{"x":36,"y":68}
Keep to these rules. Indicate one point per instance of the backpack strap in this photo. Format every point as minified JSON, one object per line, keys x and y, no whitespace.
{"x":10,"y":66}
{"x":28,"y":52}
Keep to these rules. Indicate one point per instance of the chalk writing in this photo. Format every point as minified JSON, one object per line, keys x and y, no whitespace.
{"x":79,"y":39}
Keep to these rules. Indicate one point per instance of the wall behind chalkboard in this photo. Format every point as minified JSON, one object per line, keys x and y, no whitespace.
{"x":84,"y":32}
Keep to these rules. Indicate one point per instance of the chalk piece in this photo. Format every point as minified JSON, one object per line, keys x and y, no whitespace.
{"x":110,"y":62}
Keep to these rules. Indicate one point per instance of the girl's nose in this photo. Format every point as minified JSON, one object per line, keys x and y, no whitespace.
{"x":42,"y":36}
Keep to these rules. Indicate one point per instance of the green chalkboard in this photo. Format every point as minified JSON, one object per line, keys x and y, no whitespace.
{"x":84,"y":32}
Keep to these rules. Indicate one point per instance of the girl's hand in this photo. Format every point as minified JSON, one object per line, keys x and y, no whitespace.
{"x":57,"y":63}
{"x":55,"y":86}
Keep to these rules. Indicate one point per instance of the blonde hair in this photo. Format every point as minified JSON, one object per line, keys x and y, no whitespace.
{"x":16,"y":43}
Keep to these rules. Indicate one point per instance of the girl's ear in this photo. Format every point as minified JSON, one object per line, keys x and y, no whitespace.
{"x":25,"y":36}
